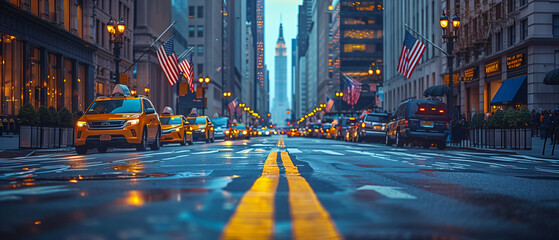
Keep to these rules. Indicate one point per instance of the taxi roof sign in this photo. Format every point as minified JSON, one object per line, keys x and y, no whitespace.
{"x":168,"y":111}
{"x":121,"y":90}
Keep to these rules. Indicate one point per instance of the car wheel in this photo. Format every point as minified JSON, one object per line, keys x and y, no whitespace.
{"x":183,"y":139}
{"x":399,"y":141}
{"x":102,"y":149}
{"x":441,"y":145}
{"x":207,"y":138}
{"x":144,"y":143}
{"x":157,"y":144}
{"x":213,"y":138}
{"x":81,"y":150}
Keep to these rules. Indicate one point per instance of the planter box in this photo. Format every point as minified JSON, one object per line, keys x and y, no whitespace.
{"x":29,"y":137}
{"x":66,"y":137}
{"x":519,"y":138}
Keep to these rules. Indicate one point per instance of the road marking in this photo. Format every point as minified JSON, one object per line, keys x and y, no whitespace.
{"x":330,"y":152}
{"x":294,"y":150}
{"x":547,"y":170}
{"x":8,"y":194}
{"x":254,"y":217}
{"x":245,"y":151}
{"x":309,"y":219}
{"x":281,"y":143}
{"x":375,"y":155}
{"x":206,"y":152}
{"x":537,"y":158}
{"x":389,"y":192}
{"x":175,"y":157}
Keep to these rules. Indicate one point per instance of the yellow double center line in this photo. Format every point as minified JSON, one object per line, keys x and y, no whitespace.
{"x":254,"y":216}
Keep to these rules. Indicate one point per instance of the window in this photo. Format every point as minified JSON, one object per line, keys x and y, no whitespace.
{"x":200,"y":11}
{"x":200,"y":50}
{"x":512,"y":34}
{"x":67,"y":15}
{"x":523,"y":2}
{"x":200,"y":69}
{"x":67,"y":82}
{"x":498,"y":41}
{"x":99,"y":89}
{"x":555,"y":25}
{"x":200,"y":31}
{"x":191,"y":31}
{"x":191,"y":12}
{"x":35,"y":76}
{"x":523,"y":29}
{"x":35,"y":7}
{"x":79,"y":16}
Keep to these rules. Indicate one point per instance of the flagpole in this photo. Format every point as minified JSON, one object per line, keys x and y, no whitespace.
{"x":153,"y":43}
{"x":429,"y":41}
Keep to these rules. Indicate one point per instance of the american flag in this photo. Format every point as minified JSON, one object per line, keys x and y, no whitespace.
{"x":168,"y":61}
{"x":411,"y":53}
{"x":329,"y":104}
{"x":352,"y":90}
{"x":187,"y":71}
{"x":232,"y":105}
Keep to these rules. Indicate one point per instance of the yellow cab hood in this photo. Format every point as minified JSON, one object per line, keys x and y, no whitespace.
{"x":165,"y":127}
{"x":111,"y":116}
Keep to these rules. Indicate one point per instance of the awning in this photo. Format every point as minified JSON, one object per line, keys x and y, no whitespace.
{"x":513,"y":91}
{"x":436,"y":91}
{"x":552,"y":78}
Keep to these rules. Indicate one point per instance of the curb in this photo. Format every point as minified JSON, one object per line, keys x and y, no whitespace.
{"x":483,"y":150}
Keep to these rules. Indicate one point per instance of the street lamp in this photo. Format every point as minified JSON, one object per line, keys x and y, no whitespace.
{"x":450,"y":35}
{"x":116,"y":31}
{"x":339,"y":95}
{"x":146,"y":91}
{"x":204,"y":81}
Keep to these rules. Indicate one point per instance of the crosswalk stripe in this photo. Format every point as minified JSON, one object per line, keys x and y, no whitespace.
{"x":329,"y":152}
{"x":245,"y":151}
{"x":389,"y":192}
{"x":206,"y":152}
{"x":254,"y":216}
{"x":310,"y":220}
{"x":294,"y":150}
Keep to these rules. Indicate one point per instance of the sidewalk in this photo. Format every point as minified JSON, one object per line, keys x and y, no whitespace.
{"x":536,"y":151}
{"x":9,"y":148}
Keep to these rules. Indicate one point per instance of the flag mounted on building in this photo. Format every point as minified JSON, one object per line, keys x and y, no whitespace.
{"x":329,"y":104}
{"x":168,"y":61}
{"x":352,"y":90}
{"x":232,"y":105}
{"x":411,"y":53}
{"x":187,"y":69}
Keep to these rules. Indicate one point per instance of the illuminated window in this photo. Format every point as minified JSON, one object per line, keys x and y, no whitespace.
{"x":80,"y":86}
{"x":79,"y":12}
{"x":363,"y":34}
{"x":354,"y":48}
{"x":68,"y":79}
{"x":35,"y":7}
{"x":99,"y":89}
{"x":67,"y":15}
{"x":191,"y":12}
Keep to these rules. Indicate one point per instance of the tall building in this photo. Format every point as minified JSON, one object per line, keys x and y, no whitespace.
{"x":148,"y":71}
{"x":357,"y":31}
{"x":293,"y":106}
{"x":262,"y":104}
{"x":47,"y":53}
{"x":280,"y":103}
{"x":304,"y":19}
{"x":425,"y":20}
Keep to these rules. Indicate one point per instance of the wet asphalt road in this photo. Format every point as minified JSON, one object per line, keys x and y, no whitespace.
{"x":254,"y":189}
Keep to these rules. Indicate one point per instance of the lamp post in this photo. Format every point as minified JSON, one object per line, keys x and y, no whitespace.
{"x":450,"y":36}
{"x":226,"y":96}
{"x":204,"y":81}
{"x":116,"y":31}
{"x":339,"y":95}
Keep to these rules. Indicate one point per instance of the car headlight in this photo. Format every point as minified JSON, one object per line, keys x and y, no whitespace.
{"x":227,"y":132}
{"x":203,"y":130}
{"x":267,"y":133}
{"x":176,"y":129}
{"x":81,"y":123}
{"x":132,"y":122}
{"x":244,"y":132}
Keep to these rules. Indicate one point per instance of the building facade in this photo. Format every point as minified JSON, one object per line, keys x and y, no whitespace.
{"x":300,"y":88}
{"x":357,"y":39}
{"x":280,"y":103}
{"x":47,"y":51}
{"x":423,"y":17}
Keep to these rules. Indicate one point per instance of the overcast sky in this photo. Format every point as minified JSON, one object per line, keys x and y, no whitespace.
{"x":287,"y":9}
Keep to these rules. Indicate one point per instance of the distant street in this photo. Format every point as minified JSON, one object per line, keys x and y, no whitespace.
{"x":280,"y":188}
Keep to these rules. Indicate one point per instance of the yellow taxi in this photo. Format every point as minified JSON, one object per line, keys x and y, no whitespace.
{"x":175,"y":128}
{"x":121,"y":120}
{"x":202,"y":128}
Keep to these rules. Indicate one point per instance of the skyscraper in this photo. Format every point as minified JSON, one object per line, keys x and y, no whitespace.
{"x":280,"y":104}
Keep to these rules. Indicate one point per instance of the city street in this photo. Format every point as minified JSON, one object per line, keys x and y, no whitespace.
{"x":282,"y":188}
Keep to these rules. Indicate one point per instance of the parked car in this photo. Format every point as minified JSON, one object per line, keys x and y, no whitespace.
{"x":121,"y":120}
{"x":373,"y":126}
{"x":419,"y":121}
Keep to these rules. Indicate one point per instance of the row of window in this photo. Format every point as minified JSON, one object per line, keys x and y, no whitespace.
{"x":195,"y":31}
{"x":192,"y":12}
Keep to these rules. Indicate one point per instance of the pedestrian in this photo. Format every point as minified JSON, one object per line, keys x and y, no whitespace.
{"x":535,"y":123}
{"x":548,"y":125}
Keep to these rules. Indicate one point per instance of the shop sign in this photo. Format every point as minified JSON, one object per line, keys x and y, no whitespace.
{"x":492,"y":68}
{"x":455,"y":78}
{"x":515,"y":61}
{"x":471,"y":74}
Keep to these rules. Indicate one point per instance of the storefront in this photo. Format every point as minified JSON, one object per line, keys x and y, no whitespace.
{"x":513,"y":92}
{"x":493,"y":82}
{"x":471,"y":84}
{"x":42,"y":64}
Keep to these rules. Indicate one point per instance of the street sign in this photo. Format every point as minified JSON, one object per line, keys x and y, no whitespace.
{"x":124,"y":78}
{"x":183,"y":88}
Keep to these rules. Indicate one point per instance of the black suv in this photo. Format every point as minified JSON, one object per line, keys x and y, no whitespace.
{"x":419,"y":121}
{"x":373,"y":125}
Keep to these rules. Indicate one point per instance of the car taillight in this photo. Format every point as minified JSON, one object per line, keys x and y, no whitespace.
{"x":405,"y":123}
{"x":422,"y":109}
{"x":441,"y":111}
{"x":446,"y":125}
{"x":362,"y":125}
{"x":321,"y":131}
